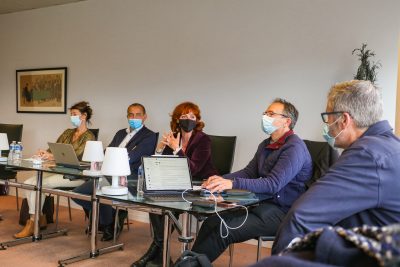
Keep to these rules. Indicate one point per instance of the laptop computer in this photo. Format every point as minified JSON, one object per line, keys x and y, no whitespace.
{"x":166,"y":177}
{"x":64,"y":155}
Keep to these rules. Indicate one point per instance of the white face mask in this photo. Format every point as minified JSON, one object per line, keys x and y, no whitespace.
{"x":76,"y":121}
{"x":325,"y":133}
{"x":267,"y":124}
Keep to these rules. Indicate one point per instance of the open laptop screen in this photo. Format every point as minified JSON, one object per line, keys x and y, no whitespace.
{"x":166,"y":173}
{"x":64,"y":155}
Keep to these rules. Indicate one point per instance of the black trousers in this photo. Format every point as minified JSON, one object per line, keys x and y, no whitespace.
{"x":157,"y":223}
{"x":106,"y":212}
{"x":262,"y":220}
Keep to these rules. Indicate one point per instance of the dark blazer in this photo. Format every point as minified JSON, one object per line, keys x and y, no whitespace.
{"x":198,"y":152}
{"x":143,"y":143}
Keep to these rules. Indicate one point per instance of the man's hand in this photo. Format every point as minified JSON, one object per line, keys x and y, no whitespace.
{"x":217,"y":183}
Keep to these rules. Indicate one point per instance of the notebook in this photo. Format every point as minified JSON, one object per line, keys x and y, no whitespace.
{"x":166,"y":177}
{"x":64,"y":155}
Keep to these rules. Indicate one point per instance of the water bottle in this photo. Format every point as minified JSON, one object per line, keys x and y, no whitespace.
{"x":21,"y":148}
{"x":140,"y":182}
{"x":12,"y":151}
{"x":17,"y":153}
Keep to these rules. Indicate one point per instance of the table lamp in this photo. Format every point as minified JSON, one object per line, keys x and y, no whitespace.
{"x":3,"y":145}
{"x":115,"y":164}
{"x":94,"y":154}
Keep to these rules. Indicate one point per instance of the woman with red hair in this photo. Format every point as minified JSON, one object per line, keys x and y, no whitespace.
{"x":185,"y":139}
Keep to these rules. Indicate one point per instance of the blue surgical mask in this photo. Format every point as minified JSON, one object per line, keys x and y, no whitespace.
{"x":135,"y":123}
{"x":325,"y":133}
{"x":76,"y":121}
{"x":266,"y":124}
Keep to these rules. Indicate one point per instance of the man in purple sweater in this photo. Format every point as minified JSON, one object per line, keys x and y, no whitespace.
{"x":363,"y":186}
{"x":279,"y":170}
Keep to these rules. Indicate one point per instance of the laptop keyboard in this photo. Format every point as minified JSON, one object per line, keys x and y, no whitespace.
{"x":171,"y":197}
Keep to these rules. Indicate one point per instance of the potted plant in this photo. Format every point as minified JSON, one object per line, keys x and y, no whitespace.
{"x":366,"y":70}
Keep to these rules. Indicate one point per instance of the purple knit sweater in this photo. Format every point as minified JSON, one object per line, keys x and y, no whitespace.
{"x":277,"y":173}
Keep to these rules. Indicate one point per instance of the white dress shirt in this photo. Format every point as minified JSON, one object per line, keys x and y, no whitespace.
{"x":131,"y":133}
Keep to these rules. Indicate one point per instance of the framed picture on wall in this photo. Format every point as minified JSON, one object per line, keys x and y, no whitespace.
{"x":42,"y":90}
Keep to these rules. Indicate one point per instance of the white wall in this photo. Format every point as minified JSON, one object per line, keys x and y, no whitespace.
{"x":231,"y":57}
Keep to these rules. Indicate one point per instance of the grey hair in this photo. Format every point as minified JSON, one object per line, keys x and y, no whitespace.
{"x":289,"y":110}
{"x":361,"y":99}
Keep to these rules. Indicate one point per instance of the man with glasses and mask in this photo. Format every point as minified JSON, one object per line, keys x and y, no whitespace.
{"x":139,"y":141}
{"x":362,"y":187}
{"x":278,"y":171}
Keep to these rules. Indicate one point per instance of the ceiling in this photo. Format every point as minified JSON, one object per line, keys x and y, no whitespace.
{"x":11,"y":6}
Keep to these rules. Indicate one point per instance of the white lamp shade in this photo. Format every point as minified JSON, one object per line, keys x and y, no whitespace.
{"x":4,"y":145}
{"x":116,"y":162}
{"x":93,"y":151}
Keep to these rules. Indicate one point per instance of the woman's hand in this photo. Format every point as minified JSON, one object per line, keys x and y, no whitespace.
{"x":217,"y":183}
{"x":43,"y":154}
{"x":171,"y":141}
{"x":161,"y":145}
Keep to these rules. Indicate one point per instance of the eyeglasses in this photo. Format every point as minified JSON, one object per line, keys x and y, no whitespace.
{"x":271,"y":113}
{"x":324,"y":115}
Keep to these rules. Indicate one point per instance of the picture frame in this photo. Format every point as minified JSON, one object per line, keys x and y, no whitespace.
{"x":42,"y":90}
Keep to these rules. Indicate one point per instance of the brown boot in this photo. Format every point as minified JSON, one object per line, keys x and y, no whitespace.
{"x":42,"y":222}
{"x":27,"y":231}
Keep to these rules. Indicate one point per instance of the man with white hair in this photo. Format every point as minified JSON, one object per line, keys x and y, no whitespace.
{"x":363,"y":186}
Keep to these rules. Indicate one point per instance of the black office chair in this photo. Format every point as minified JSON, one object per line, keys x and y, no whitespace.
{"x":222,"y":155}
{"x":95,"y":132}
{"x":223,"y":152}
{"x":68,"y":188}
{"x":323,"y":156}
{"x":14,"y":133}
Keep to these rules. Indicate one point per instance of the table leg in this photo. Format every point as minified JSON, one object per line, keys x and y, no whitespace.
{"x":95,"y":212}
{"x":167,"y":235}
{"x":37,"y":235}
{"x":94,"y":251}
{"x":186,"y":237}
{"x":185,"y":234}
{"x":38,"y":198}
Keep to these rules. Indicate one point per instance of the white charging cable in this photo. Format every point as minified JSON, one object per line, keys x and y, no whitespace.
{"x":223,"y":225}
{"x":183,"y":195}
